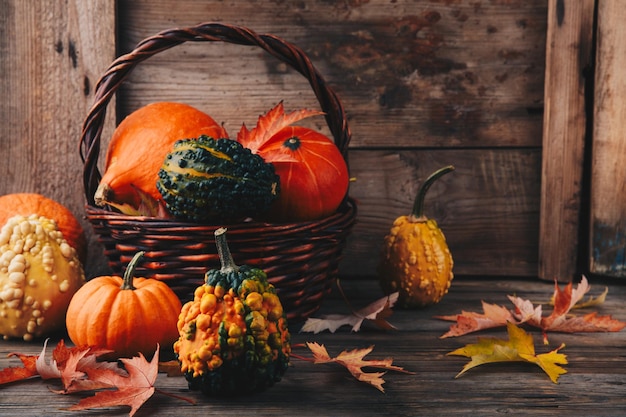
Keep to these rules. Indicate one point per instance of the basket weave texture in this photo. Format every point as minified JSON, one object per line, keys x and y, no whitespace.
{"x":301,"y":259}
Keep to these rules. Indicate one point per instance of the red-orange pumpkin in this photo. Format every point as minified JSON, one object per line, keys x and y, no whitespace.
{"x":127,"y":315}
{"x":313,"y":174}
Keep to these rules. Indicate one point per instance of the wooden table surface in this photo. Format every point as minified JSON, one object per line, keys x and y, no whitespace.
{"x":594,"y":385}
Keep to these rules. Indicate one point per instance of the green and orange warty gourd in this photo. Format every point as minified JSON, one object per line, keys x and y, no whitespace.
{"x":39,"y":274}
{"x":126,"y":315}
{"x":416,"y":261}
{"x":233,"y":335}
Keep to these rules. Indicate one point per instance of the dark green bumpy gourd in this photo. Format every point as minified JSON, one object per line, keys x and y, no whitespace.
{"x":207,"y":180}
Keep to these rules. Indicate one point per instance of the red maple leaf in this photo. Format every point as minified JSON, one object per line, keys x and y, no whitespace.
{"x":560,"y":319}
{"x":132,"y":390}
{"x":69,"y":365}
{"x":79,"y":370}
{"x":269,"y":125}
{"x":19,"y":373}
{"x":36,"y":365}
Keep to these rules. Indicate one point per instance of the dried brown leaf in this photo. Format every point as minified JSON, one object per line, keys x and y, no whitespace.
{"x":377,"y":312}
{"x":354,"y":362}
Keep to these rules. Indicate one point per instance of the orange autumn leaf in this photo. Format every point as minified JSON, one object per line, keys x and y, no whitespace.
{"x":559,"y":320}
{"x":269,"y":125}
{"x":63,"y":365}
{"x":132,"y":390}
{"x":79,"y":370}
{"x":467,"y":321}
{"x":591,"y":301}
{"x":518,"y":348}
{"x":353,"y":361}
{"x":19,"y":373}
{"x":69,"y":365}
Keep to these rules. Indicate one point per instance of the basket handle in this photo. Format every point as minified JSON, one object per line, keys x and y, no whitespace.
{"x":121,"y":68}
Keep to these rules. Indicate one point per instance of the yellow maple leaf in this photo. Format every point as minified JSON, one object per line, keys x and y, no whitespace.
{"x":519,"y":348}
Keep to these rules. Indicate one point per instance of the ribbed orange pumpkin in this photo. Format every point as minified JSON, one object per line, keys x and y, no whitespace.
{"x":26,"y":204}
{"x":127,"y":315}
{"x":313,"y":174}
{"x":138,"y":147}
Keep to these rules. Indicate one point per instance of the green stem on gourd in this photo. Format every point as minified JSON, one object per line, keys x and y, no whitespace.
{"x":129,"y":274}
{"x":418,"y":205}
{"x":226,"y":258}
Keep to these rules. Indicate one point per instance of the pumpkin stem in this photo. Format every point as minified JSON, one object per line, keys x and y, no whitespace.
{"x":129,"y":274}
{"x":293,"y":143}
{"x":226,"y":258}
{"x":418,"y":205}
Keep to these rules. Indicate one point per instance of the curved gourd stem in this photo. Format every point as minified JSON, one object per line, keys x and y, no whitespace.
{"x":418,"y":205}
{"x":226,"y":258}
{"x":129,"y":274}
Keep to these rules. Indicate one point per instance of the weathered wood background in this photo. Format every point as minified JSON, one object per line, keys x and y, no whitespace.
{"x":51,"y":55}
{"x":425,"y":83}
{"x":608,"y":199}
{"x":568,"y":87}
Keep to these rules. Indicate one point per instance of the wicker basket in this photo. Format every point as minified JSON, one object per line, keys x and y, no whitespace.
{"x":301,"y":259}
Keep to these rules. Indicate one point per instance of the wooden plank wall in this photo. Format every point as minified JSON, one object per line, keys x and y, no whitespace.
{"x":608,"y":189}
{"x":425,"y":83}
{"x":51,"y":55}
{"x":568,"y":86}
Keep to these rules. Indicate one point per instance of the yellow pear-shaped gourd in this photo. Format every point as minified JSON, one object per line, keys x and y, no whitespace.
{"x":416,"y":261}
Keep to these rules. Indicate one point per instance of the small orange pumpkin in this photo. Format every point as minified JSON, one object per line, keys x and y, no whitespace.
{"x":127,"y":315}
{"x":25,"y":204}
{"x":313,"y":174}
{"x":138,"y":147}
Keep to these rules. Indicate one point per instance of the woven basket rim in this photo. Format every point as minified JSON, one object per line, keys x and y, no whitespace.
{"x":347,"y":209}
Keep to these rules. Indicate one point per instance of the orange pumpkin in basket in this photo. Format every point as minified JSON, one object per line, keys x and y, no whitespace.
{"x":139,"y":146}
{"x":25,"y":204}
{"x":313,"y":173}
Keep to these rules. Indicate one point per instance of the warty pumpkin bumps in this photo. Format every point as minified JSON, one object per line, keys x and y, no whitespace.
{"x":26,"y":204}
{"x":39,"y":274}
{"x":416,"y":261}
